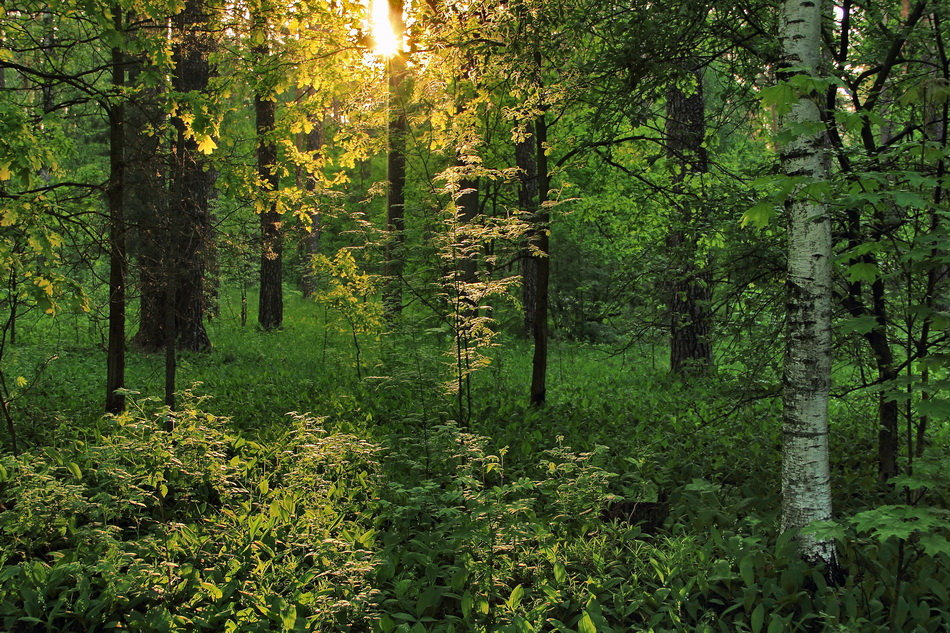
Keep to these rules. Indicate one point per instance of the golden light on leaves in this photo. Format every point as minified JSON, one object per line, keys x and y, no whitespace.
{"x":385,"y":40}
{"x":206,"y":144}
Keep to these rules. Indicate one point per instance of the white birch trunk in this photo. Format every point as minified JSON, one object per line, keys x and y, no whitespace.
{"x":806,"y":486}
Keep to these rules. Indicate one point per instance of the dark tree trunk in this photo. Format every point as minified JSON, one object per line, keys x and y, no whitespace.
{"x":396,"y":174}
{"x":115,"y":357}
{"x":526,"y":160}
{"x":690,"y":348}
{"x":270,"y":313}
{"x":467,"y":270}
{"x":541,"y":254}
{"x":191,"y":184}
{"x":146,"y":200}
{"x":877,"y":340}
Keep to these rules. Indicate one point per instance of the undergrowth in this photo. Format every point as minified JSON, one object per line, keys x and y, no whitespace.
{"x":631,"y":503}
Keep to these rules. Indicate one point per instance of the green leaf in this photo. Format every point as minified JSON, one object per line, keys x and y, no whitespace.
{"x":935,"y":544}
{"x":73,"y":467}
{"x":585,"y":624}
{"x":560,"y":572}
{"x":515,"y":598}
{"x":934,"y":407}
{"x":781,"y":96}
{"x":862,"y":271}
{"x":758,"y":215}
{"x":213,"y":590}
{"x":757,"y":619}
{"x":824,"y":530}
{"x":909,"y":199}
{"x":747,"y":570}
{"x":858,"y":325}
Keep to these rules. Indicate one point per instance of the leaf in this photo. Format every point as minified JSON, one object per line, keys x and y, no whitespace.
{"x":935,"y":407}
{"x":213,"y":590}
{"x":585,"y":624}
{"x":776,"y":625}
{"x":288,"y":616}
{"x":747,"y":570}
{"x":21,"y":381}
{"x":5,"y":171}
{"x":781,"y":96}
{"x":909,"y":199}
{"x":560,"y":572}
{"x":759,"y":215}
{"x":858,"y":325}
{"x":935,"y":544}
{"x":515,"y":598}
{"x":757,"y":619}
{"x":862,"y":272}
{"x":206,"y":144}
{"x":73,"y":467}
{"x":824,"y":530}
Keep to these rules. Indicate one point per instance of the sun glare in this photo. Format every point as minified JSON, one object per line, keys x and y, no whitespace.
{"x":385,"y":41}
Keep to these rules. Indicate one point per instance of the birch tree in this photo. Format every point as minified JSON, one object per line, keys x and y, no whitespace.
{"x":806,"y":486}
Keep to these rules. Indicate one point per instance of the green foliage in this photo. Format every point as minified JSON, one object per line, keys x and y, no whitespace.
{"x":186,"y":530}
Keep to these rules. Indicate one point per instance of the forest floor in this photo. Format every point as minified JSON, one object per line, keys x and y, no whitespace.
{"x":386,"y":502}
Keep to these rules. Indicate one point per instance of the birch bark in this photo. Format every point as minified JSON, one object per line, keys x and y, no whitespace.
{"x":806,"y":485}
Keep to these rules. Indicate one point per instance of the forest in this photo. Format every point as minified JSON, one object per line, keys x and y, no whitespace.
{"x":487,"y":316}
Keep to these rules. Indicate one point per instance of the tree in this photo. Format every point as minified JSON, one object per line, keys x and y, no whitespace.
{"x":690,"y":292}
{"x":271,"y":305}
{"x":397,"y":130}
{"x":191,"y":180}
{"x":806,"y":480}
{"x":115,"y":371}
{"x":175,"y":244}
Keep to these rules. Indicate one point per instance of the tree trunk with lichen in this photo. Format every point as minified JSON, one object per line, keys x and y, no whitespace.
{"x":806,"y":483}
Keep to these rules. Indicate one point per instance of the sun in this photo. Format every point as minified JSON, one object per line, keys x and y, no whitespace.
{"x":385,"y":40}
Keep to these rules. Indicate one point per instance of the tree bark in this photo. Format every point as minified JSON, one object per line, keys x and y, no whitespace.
{"x":526,"y":160}
{"x":396,"y":173}
{"x":690,"y":346}
{"x":146,"y":201}
{"x":542,"y":263}
{"x":191,"y":183}
{"x":806,"y":484}
{"x":270,"y":313}
{"x":115,"y":356}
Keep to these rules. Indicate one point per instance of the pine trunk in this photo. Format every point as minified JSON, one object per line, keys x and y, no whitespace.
{"x":146,"y":202}
{"x":541,"y":254}
{"x":191,"y":185}
{"x":115,"y":357}
{"x":526,"y":160}
{"x":271,"y":305}
{"x":690,"y":347}
{"x":396,"y":174}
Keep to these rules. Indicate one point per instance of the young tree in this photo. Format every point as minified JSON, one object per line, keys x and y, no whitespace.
{"x":806,"y":479}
